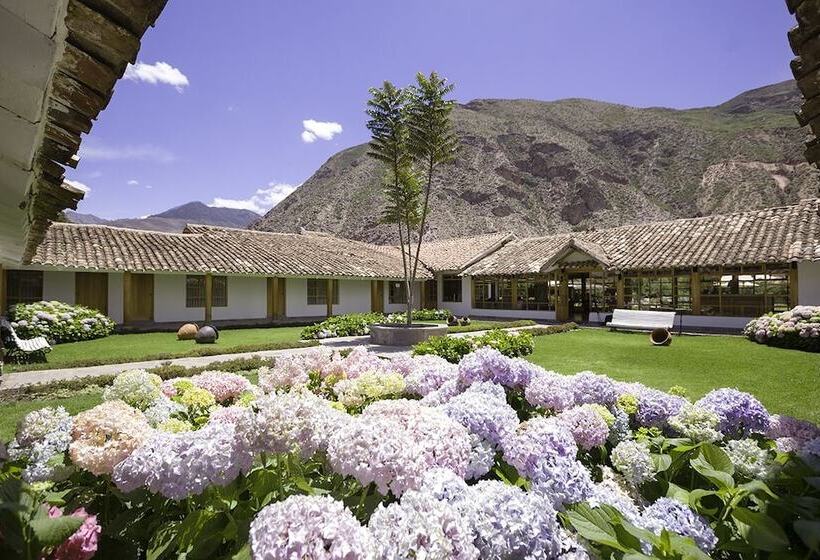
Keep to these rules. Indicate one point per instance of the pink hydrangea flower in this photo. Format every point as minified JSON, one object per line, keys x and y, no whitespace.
{"x":82,"y":545}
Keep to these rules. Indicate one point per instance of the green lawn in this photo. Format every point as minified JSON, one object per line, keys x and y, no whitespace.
{"x":13,"y":412}
{"x":786,"y":381}
{"x":120,"y":348}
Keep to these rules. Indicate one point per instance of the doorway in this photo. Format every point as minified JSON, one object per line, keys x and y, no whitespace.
{"x":91,"y":290}
{"x":139,"y":297}
{"x":578,"y":297}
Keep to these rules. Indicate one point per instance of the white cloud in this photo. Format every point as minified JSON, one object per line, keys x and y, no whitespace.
{"x":77,"y":185}
{"x":319,"y":130}
{"x":157,"y":73}
{"x":261,"y":201}
{"x":133,"y":182}
{"x":149,"y":186}
{"x":143,"y":152}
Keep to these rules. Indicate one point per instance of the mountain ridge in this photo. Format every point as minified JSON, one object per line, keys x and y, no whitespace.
{"x":174,"y":219}
{"x":537,"y":167}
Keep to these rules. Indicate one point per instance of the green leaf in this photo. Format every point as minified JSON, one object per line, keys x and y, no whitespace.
{"x":162,"y":542}
{"x":52,"y":531}
{"x":686,"y":547}
{"x":760,"y":530}
{"x":678,"y":493}
{"x":717,"y":458}
{"x":661,"y":461}
{"x":809,"y":531}
{"x":243,"y":554}
{"x":594,"y":526}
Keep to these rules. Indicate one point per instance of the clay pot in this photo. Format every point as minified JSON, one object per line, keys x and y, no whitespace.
{"x":660,"y":337}
{"x":187,"y":331}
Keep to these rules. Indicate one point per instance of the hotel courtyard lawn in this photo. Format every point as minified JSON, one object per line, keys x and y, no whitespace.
{"x":120,"y":348}
{"x":786,"y":381}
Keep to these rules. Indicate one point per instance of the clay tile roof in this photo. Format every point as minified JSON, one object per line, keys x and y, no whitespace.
{"x":772,"y":235}
{"x":458,"y":253}
{"x":214,"y":249}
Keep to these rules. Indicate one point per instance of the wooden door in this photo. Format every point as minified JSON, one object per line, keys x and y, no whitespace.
{"x":91,"y":290}
{"x":276,"y":298}
{"x":139,"y":297}
{"x":562,"y":305}
{"x":377,"y":296}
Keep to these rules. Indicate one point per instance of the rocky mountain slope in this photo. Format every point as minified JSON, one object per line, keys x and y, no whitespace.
{"x":536,"y":167}
{"x":174,"y":219}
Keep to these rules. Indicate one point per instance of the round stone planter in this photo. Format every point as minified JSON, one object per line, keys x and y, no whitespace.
{"x":403,"y":335}
{"x":660,"y":337}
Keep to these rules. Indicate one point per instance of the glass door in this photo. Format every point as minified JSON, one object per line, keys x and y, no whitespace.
{"x":578,"y":297}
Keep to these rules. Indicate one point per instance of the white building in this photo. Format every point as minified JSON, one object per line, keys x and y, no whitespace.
{"x":717,"y":272}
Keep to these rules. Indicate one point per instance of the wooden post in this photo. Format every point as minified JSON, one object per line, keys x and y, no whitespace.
{"x":422,"y":294}
{"x":563,"y":298}
{"x":329,"y":297}
{"x":127,"y":305}
{"x":209,"y":292}
{"x":620,"y":294}
{"x":270,"y":295}
{"x":2,"y":291}
{"x":695,"y":292}
{"x":514,"y":293}
{"x":793,"y":299}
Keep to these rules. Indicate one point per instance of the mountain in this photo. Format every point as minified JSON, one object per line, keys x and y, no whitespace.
{"x":174,"y":219}
{"x":540,"y":167}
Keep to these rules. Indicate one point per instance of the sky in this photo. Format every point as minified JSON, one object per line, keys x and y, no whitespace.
{"x":237,"y":102}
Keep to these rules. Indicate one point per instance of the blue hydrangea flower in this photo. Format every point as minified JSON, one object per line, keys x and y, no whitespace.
{"x":670,"y":514}
{"x":591,"y":388}
{"x":740,"y":413}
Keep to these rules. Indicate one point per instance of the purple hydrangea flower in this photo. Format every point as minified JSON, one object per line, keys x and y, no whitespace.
{"x":316,"y":527}
{"x":670,"y":514}
{"x":740,"y":413}
{"x":488,"y":364}
{"x":655,"y":408}
{"x":587,"y":426}
{"x":510,"y":523}
{"x":420,"y":526}
{"x":791,"y":434}
{"x":591,"y":388}
{"x":426,"y":373}
{"x":563,"y":480}
{"x":535,"y":440}
{"x":487,"y":416}
{"x":186,"y":463}
{"x":551,"y":391}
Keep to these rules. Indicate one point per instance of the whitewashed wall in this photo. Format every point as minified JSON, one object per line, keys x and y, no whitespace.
{"x":115,"y":296}
{"x":58,"y":285}
{"x":456,"y":308}
{"x":169,"y":300}
{"x":247,"y":299}
{"x":808,"y":283}
{"x":354,"y":297}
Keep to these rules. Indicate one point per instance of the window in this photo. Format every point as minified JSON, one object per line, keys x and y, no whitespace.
{"x":219,"y":291}
{"x":659,"y":293}
{"x":534,"y":294}
{"x":451,"y":289}
{"x":492,"y":293}
{"x":397,"y":293}
{"x":603,"y":294}
{"x":317,"y":291}
{"x":746,"y":292}
{"x":195,"y":291}
{"x":24,"y":286}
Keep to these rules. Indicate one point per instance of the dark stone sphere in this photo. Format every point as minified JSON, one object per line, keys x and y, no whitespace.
{"x":206,"y":335}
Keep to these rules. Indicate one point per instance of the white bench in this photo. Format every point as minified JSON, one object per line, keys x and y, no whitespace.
{"x":641,"y":320}
{"x":18,"y":346}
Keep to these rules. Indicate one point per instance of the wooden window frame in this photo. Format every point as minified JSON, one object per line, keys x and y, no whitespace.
{"x":219,"y":291}
{"x":445,"y":279}
{"x":395,"y":287}
{"x":16,"y":280}
{"x":194,"y":283}
{"x":316,"y":291}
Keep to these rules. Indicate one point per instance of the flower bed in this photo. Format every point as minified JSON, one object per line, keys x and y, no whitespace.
{"x":797,"y":328}
{"x":358,"y":324}
{"x":59,"y":322}
{"x":358,"y":457}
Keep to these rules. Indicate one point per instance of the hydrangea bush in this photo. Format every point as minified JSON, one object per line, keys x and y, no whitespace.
{"x":353,"y":457}
{"x":358,"y":324}
{"x":59,"y":322}
{"x":797,"y":328}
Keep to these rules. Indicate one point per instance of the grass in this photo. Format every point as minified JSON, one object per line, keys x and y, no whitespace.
{"x":480,"y":325}
{"x":784,"y":380}
{"x":120,"y":348}
{"x":13,"y":412}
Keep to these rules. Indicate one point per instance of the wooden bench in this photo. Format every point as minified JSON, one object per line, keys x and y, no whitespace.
{"x":16,"y":346}
{"x":641,"y":320}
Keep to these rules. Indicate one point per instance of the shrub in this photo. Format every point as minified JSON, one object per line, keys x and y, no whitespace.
{"x":453,"y":348}
{"x":352,"y":324}
{"x":552,"y":329}
{"x":59,"y":322}
{"x":420,"y":315}
{"x":797,"y":328}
